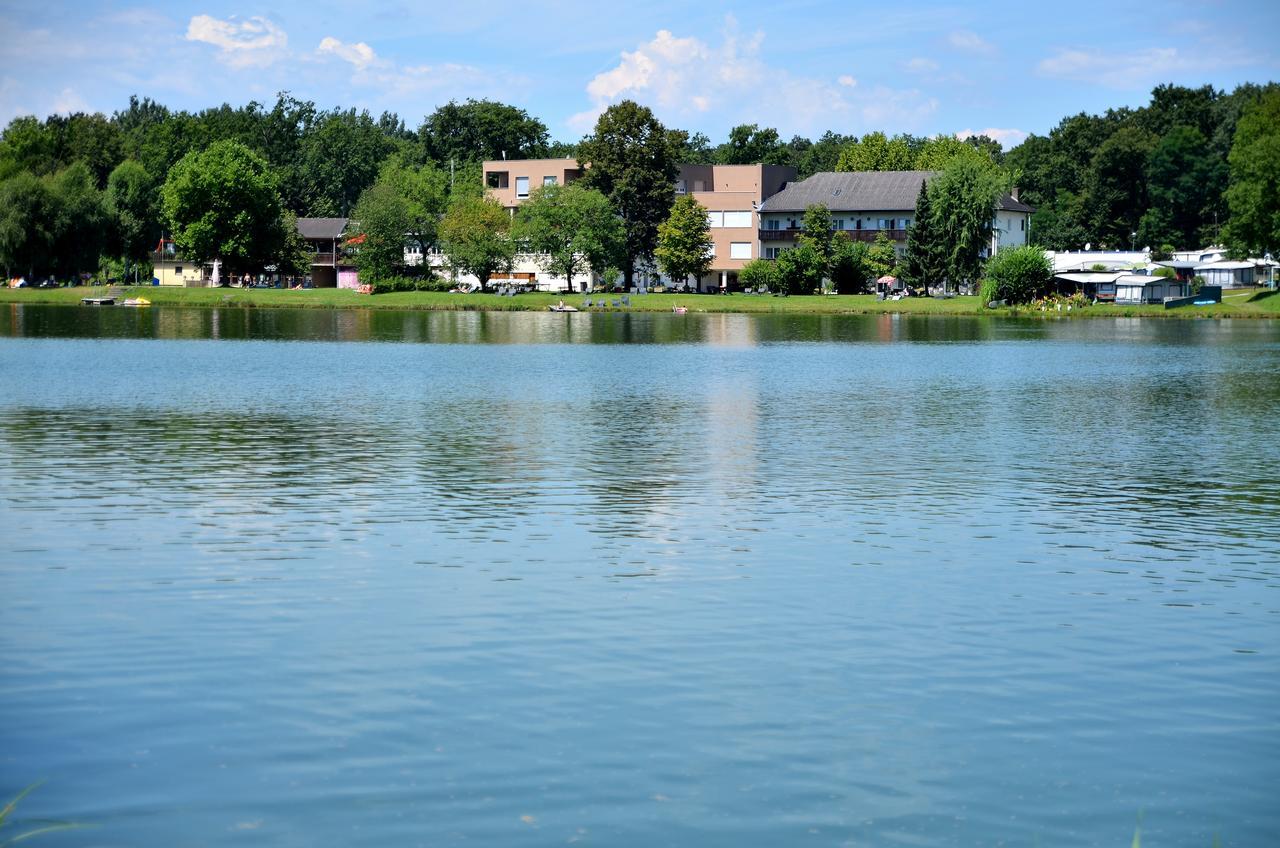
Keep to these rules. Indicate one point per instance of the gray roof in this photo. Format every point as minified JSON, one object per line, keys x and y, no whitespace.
{"x":851,"y":191}
{"x":1009,"y":204}
{"x":321,"y":228}
{"x":863,"y":191}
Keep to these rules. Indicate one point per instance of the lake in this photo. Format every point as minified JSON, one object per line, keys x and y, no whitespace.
{"x":295,"y":577}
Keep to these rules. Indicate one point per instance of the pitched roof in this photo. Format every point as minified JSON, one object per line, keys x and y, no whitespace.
{"x":852,"y":191}
{"x":321,"y":228}
{"x":1009,"y":203}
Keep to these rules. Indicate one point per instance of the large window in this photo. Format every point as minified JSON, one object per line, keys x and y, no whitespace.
{"x":772,"y":224}
{"x":739,"y":250}
{"x":772,"y":252}
{"x":522,"y":186}
{"x":548,"y":180}
{"x":715,"y":220}
{"x":737,"y":219}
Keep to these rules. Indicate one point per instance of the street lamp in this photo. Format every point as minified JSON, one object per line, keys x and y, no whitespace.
{"x":1133,"y":238}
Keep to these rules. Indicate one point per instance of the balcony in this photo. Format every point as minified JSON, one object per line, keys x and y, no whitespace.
{"x":851,"y":235}
{"x":322,"y":259}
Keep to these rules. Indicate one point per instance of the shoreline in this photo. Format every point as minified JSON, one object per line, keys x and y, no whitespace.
{"x":1249,"y":303}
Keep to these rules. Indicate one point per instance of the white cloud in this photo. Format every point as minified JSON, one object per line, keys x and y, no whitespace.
{"x":243,"y":42}
{"x":1133,"y":69}
{"x":359,"y":54}
{"x":683,"y":76}
{"x":69,"y":101}
{"x":1008,"y":138}
{"x":963,"y":39}
{"x":921,"y":65}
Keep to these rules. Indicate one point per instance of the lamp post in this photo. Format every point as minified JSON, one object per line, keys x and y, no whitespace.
{"x":1133,"y":239}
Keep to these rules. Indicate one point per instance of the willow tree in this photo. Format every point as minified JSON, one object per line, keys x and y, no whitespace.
{"x":963,"y":200}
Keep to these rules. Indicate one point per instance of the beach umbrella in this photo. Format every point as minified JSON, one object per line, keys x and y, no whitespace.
{"x":217,"y":272}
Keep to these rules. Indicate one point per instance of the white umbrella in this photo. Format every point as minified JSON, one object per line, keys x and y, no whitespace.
{"x":217,"y":272}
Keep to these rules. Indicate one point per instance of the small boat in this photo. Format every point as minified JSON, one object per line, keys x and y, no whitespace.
{"x":679,"y":310}
{"x":136,"y":301}
{"x":98,"y":301}
{"x":562,"y":307}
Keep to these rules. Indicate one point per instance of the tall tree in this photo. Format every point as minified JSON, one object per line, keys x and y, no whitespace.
{"x":425,"y":191}
{"x":882,"y":258}
{"x":571,"y":228}
{"x":338,"y":161}
{"x":684,"y":241}
{"x":27,"y":229}
{"x":1184,"y":181}
{"x":1116,"y":185}
{"x":963,"y":200}
{"x":924,"y":263}
{"x":222,"y":204}
{"x":875,"y":152}
{"x":80,"y":219}
{"x":1254,"y":192}
{"x":481,"y":129}
{"x":475,"y":235}
{"x":383,"y":219}
{"x":817,"y":233}
{"x":133,"y":203}
{"x":633,"y":163}
{"x":749,"y":144}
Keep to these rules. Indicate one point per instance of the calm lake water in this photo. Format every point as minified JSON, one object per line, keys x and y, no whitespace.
{"x":375,"y":578}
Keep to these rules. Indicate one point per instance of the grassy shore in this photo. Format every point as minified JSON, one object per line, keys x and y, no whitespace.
{"x":1241,"y":304}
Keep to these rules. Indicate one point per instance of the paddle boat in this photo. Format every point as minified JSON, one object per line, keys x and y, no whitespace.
{"x":562,"y":307}
{"x":679,"y":310}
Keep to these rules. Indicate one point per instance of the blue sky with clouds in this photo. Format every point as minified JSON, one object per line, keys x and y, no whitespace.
{"x":803,"y":67}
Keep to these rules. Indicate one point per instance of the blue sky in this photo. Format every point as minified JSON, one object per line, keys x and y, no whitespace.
{"x":851,"y":66}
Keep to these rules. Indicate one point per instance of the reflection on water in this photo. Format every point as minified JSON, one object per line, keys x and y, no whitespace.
{"x":639,"y":579}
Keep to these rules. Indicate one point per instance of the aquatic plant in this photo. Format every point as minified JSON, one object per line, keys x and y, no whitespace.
{"x":42,"y":826}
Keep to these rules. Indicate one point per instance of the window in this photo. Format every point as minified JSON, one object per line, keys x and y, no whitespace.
{"x":837,"y":223}
{"x":737,"y":219}
{"x":739,"y":250}
{"x":711,"y":251}
{"x":715,"y":219}
{"x":881,"y":224}
{"x":699,"y":185}
{"x":680,"y":189}
{"x":906,"y":223}
{"x":1024,"y":225}
{"x":522,"y":186}
{"x":177,"y":269}
{"x":496,"y":179}
{"x":548,"y":180}
{"x":857,"y":224}
{"x":772,"y":224}
{"x":772,"y":252}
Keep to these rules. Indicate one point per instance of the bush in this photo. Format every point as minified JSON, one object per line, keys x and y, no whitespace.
{"x":1016,"y":275}
{"x":849,"y":270}
{"x":1164,"y":271}
{"x":800,"y":270}
{"x":1197,"y":283}
{"x":759,"y":272}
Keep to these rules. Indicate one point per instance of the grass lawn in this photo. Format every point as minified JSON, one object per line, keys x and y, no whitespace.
{"x":1255,"y":303}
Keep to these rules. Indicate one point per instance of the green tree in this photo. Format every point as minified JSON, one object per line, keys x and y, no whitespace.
{"x":1184,"y":182}
{"x":222,"y":204}
{"x":481,"y":129}
{"x":425,"y":192}
{"x":383,"y":220}
{"x":133,"y":204}
{"x":80,"y":220}
{"x":1016,"y":275}
{"x":875,"y":152}
{"x":684,"y":241}
{"x":849,"y":272}
{"x":749,"y":144}
{"x":633,"y":163}
{"x":572,"y":229}
{"x":475,"y":235}
{"x":882,"y":258}
{"x":1253,"y":195}
{"x":800,"y":270}
{"x":962,"y":199}
{"x":924,"y":263}
{"x":809,"y":158}
{"x":818,"y":234}
{"x":759,"y":272}
{"x":337,"y":161}
{"x":1117,"y":186}
{"x":27,"y":229}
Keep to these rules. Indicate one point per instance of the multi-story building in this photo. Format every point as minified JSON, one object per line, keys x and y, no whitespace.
{"x":864,"y":204}
{"x":731,"y":194}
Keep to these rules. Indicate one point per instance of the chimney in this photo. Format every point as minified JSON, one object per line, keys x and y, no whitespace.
{"x":1014,"y":193}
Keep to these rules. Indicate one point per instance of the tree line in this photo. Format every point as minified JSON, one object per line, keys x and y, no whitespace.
{"x":86,"y":192}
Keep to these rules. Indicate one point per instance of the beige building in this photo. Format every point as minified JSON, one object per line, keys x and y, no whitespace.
{"x":731,"y":194}
{"x":509,"y":182}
